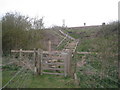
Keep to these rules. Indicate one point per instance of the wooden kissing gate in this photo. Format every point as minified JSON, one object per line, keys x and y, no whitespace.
{"x":49,"y":62}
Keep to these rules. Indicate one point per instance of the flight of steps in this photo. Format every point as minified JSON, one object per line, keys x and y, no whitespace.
{"x":72,"y":46}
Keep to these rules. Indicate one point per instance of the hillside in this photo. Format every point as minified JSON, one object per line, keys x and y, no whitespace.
{"x":96,"y":67}
{"x":97,"y":70}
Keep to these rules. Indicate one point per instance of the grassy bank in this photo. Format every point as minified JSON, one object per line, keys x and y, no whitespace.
{"x":100,"y":69}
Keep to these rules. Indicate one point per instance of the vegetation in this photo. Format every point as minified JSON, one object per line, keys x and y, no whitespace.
{"x":17,"y":32}
{"x":101,"y":69}
{"x":34,"y":81}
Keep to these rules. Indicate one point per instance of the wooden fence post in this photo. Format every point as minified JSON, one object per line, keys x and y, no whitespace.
{"x":40,"y":61}
{"x":65,"y":63}
{"x":41,"y":57}
{"x":20,"y":55}
{"x":69,"y":56}
{"x":49,"y":46}
{"x":35,"y":69}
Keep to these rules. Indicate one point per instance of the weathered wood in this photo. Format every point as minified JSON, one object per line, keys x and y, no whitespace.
{"x":52,"y":52}
{"x":24,"y":51}
{"x":65,"y":64}
{"x":53,"y":73}
{"x":49,"y":46}
{"x":52,"y":58}
{"x":58,"y":58}
{"x":69,"y":57}
{"x":53,"y":63}
{"x":20,"y":56}
{"x":35,"y":62}
{"x":86,"y":52}
{"x":60,"y":69}
{"x":41,"y":61}
{"x":44,"y":52}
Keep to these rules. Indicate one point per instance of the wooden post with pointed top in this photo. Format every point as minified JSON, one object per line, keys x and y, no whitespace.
{"x":49,"y":45}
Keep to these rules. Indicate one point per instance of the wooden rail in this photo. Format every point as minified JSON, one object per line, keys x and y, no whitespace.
{"x":86,"y":52}
{"x":53,"y":73}
{"x":60,"y":69}
{"x":53,"y":63}
{"x":52,"y":58}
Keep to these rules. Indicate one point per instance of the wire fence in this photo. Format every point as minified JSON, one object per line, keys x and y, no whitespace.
{"x":16,"y":73}
{"x":96,"y":74}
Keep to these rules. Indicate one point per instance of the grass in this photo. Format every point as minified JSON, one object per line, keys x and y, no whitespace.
{"x":100,"y":70}
{"x":103,"y":64}
{"x":82,"y":32}
{"x":40,"y":81}
{"x":50,"y":81}
{"x":34,"y":81}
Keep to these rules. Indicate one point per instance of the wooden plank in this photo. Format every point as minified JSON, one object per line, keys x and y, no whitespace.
{"x":15,"y":50}
{"x":60,"y":69}
{"x":53,"y":63}
{"x":52,"y":52}
{"x":53,"y":73}
{"x":25,"y":51}
{"x":84,"y":52}
{"x":28,"y":51}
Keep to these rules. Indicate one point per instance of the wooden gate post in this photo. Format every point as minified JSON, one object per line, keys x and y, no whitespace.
{"x":35,"y":62}
{"x":49,"y":46}
{"x":65,"y":63}
{"x":41,"y":57}
{"x":40,"y":61}
{"x":69,"y":57}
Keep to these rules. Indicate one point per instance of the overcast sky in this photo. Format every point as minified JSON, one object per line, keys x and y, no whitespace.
{"x":74,"y":12}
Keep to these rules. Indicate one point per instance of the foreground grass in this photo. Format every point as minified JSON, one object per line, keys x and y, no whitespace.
{"x":51,"y":81}
{"x":37,"y":81}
